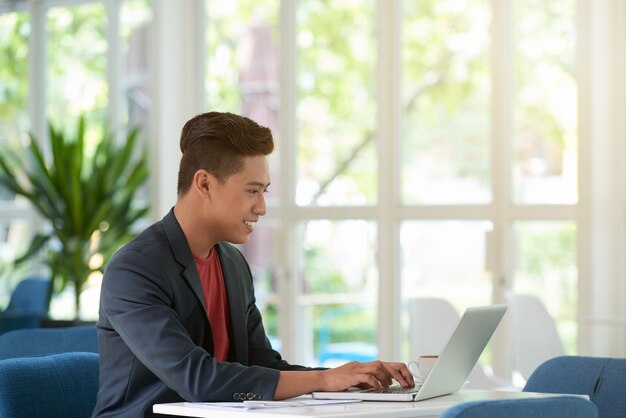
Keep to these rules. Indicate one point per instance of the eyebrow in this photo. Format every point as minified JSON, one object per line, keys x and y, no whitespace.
{"x":258,"y":184}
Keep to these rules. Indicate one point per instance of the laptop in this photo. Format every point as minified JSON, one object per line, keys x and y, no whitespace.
{"x":452,"y":368}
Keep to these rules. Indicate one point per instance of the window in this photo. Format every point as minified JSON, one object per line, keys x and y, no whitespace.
{"x":424,"y":147}
{"x":445,"y":103}
{"x":86,"y":57}
{"x":15,"y":218}
{"x":474,"y":188}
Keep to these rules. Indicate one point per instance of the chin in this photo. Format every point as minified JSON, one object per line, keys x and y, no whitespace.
{"x":239,"y":240}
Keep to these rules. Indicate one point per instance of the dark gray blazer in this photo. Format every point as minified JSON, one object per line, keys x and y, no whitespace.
{"x":154,"y":337}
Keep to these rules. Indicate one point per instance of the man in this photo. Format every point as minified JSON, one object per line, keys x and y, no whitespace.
{"x":178,"y":319}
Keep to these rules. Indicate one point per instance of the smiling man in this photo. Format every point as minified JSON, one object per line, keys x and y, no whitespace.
{"x":178,"y":318}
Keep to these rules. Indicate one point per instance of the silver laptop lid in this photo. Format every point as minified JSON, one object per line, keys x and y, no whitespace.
{"x":461,"y":352}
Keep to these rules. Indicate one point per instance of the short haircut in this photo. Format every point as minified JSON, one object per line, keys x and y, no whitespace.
{"x":218,"y":142}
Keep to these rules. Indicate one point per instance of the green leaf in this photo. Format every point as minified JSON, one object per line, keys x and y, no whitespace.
{"x":123,"y":156}
{"x":75,"y":163}
{"x":36,"y":244}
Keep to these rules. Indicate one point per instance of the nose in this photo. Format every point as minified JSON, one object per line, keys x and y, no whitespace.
{"x":259,"y":208}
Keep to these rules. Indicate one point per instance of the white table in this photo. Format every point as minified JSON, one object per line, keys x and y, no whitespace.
{"x":427,"y":408}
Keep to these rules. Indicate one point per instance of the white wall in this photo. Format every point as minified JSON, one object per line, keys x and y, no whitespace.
{"x":602,"y":246}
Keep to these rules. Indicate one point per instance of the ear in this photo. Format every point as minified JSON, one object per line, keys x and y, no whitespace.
{"x":203,"y":182}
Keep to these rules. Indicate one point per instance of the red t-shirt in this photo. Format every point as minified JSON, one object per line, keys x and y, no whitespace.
{"x":214,"y":290}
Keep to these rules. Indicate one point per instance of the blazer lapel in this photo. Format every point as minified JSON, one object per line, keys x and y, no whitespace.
{"x":231,"y":275}
{"x":183,"y":255}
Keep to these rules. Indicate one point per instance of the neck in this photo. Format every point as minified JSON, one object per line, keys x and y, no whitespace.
{"x":195,"y":228}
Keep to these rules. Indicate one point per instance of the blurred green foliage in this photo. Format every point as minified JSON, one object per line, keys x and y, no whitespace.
{"x":86,"y":197}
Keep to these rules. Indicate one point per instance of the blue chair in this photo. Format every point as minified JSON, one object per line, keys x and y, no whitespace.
{"x":552,"y":407}
{"x":55,"y":386}
{"x":37,"y":341}
{"x":28,"y":305}
{"x":602,"y":379}
{"x":30,"y":297}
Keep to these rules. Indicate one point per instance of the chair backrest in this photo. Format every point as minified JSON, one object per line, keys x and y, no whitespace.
{"x":432,"y":321}
{"x":551,"y":407}
{"x":37,"y":341}
{"x":30,"y":297}
{"x":535,"y":337}
{"x":602,"y":379}
{"x":55,"y":386}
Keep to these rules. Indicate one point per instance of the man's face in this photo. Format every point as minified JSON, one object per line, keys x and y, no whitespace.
{"x":239,"y":202}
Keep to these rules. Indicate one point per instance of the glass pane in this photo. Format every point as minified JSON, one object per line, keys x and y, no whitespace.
{"x":135,"y":16}
{"x":444,"y":259}
{"x":260,"y":251}
{"x":546,"y":268}
{"x":76,"y":72}
{"x":446,"y":87}
{"x":546,"y":162}
{"x":336,"y":113}
{"x":339,"y":287}
{"x":14,"y":121}
{"x":242,"y":66}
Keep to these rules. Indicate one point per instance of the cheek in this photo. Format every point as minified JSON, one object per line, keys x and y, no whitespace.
{"x":235,"y":204}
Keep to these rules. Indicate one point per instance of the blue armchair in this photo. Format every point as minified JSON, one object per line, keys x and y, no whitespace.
{"x":37,"y":341}
{"x":28,"y":305}
{"x":55,"y":386}
{"x":553,"y":407}
{"x":602,"y":379}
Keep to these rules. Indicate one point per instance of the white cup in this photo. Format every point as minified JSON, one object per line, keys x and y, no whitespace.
{"x":420,"y":367}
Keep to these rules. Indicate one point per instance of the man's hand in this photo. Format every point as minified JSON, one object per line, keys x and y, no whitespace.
{"x":375,"y":374}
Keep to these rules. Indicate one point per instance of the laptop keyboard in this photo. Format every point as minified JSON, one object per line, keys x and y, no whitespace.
{"x":396,"y":389}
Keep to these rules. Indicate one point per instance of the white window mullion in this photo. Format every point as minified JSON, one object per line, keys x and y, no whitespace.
{"x":388,"y":134}
{"x":615,"y":143}
{"x":176,"y":48}
{"x":290,"y":321}
{"x":499,"y":243}
{"x":620,"y":154}
{"x":37,"y":92}
{"x":37,"y":69}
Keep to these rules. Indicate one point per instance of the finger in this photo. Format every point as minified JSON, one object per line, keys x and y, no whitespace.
{"x":380,"y":371}
{"x":372,"y":382}
{"x":401,"y":374}
{"x":406,"y":376}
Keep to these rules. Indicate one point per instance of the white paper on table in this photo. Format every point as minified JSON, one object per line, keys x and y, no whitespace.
{"x":271,"y":404}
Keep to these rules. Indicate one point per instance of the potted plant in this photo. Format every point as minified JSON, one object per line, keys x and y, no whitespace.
{"x":86,"y":198}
